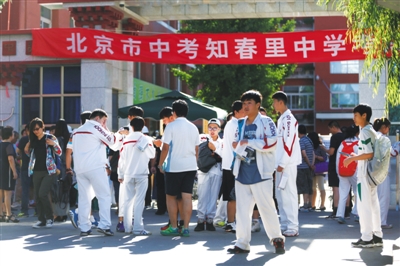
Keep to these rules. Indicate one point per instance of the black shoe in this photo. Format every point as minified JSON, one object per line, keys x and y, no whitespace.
{"x":279,"y":245}
{"x":210,"y":227}
{"x":160,"y":212}
{"x":237,"y":250}
{"x":377,"y":241}
{"x":230,"y":227}
{"x":363,"y":244}
{"x":199,"y":227}
{"x":86,"y":233}
{"x":106,"y":232}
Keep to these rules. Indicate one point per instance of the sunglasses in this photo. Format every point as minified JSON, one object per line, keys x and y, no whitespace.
{"x":36,"y":129}
{"x":213,"y":128}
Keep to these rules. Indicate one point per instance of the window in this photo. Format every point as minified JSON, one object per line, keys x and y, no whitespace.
{"x":45,"y":17}
{"x":344,"y":67}
{"x":344,"y":95}
{"x":51,"y":93}
{"x":300,"y":97}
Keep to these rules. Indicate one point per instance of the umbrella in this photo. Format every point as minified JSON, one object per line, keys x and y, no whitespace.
{"x":197,"y":109}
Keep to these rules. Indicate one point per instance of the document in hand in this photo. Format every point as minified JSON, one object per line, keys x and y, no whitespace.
{"x":281,"y":180}
{"x":245,"y":153}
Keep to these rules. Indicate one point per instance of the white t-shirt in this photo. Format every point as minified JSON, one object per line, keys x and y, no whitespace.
{"x":227,"y":149}
{"x":182,"y":136}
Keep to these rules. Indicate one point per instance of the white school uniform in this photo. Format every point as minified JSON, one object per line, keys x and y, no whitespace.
{"x":368,"y":203}
{"x":209,"y":184}
{"x":288,"y":156}
{"x":133,"y":170}
{"x":89,"y":144}
{"x":346,"y":183}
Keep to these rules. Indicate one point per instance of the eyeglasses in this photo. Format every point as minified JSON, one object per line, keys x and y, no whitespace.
{"x":212,"y":128}
{"x":36,"y":129}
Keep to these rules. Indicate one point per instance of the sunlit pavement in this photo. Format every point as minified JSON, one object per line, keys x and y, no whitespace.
{"x":321,"y":242}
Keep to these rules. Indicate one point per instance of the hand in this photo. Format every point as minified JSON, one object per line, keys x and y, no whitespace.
{"x":347,"y":161}
{"x":153,"y":170}
{"x":279,"y":169}
{"x":211,"y":146}
{"x":120,"y":180}
{"x":244,"y":142}
{"x":108,"y":170}
{"x":157,"y":142}
{"x":123,"y":131}
{"x":50,"y":142}
{"x":312,"y":167}
{"x":234,"y":144}
{"x":161,"y":169}
{"x":15,"y":175}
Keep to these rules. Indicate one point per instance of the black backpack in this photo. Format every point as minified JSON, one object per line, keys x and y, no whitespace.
{"x":206,"y":158}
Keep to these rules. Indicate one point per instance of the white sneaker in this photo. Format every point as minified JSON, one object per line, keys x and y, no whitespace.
{"x":38,"y":225}
{"x":255,"y":226}
{"x":49,"y":223}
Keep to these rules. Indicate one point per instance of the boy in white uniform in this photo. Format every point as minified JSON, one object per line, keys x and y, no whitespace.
{"x":367,"y":197}
{"x":256,"y":140}
{"x":288,"y":156}
{"x":135,"y":154}
{"x":209,"y":183}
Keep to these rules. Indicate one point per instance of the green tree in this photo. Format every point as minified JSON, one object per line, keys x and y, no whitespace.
{"x":376,"y":30}
{"x":223,"y":84}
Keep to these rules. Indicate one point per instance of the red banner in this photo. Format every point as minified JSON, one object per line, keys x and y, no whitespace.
{"x":235,"y":48}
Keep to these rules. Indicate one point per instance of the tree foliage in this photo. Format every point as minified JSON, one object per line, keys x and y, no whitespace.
{"x":223,"y":84}
{"x":376,"y":30}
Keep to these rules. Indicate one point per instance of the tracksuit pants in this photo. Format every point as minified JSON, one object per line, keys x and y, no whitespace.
{"x":208,"y":187}
{"x":221,"y":214}
{"x":248,"y":195}
{"x":287,"y":200}
{"x":345,"y":183}
{"x":368,"y":209}
{"x":135,"y":189}
{"x":384,"y":199}
{"x":92,"y":184}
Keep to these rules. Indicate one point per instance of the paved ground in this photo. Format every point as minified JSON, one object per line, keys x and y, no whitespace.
{"x":321,"y":242}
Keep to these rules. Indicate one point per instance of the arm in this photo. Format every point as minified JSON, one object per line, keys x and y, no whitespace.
{"x":26,"y":149}
{"x":365,"y":156}
{"x":269,"y":141}
{"x":12,"y":166}
{"x":289,"y":139}
{"x":304,"y":155}
{"x":164,"y":153}
{"x":54,"y":142}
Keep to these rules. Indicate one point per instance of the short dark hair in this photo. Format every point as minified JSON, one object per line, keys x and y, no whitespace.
{"x":333,"y":123}
{"x":85,"y":115}
{"x":251,"y":95}
{"x":302,"y":129}
{"x":166,"y":112}
{"x":314,"y":137}
{"x":6,"y":132}
{"x":351,"y":131}
{"x":379,"y":122}
{"x":236,"y":106}
{"x":137,"y":123}
{"x":98,"y":113}
{"x":363,"y":108}
{"x":262,"y":109}
{"x":229,"y":116}
{"x":136,"y":111}
{"x":180,"y":107}
{"x":280,"y":96}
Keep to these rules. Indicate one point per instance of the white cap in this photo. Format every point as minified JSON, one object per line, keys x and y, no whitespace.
{"x":214,"y":121}
{"x":145,"y":130}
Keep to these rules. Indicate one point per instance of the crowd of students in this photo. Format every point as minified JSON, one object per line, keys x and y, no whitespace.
{"x":263,"y":165}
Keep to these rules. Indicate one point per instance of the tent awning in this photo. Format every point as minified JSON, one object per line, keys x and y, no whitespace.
{"x":197,"y":109}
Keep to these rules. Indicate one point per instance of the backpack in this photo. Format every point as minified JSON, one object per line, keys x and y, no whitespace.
{"x":378,"y":166}
{"x":205,"y":159}
{"x":351,"y":169}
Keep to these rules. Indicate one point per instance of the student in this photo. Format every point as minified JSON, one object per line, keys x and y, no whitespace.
{"x":89,"y":144}
{"x":228,"y":179}
{"x":368,"y":203}
{"x":209,"y":183}
{"x":181,"y":144}
{"x":256,"y":136}
{"x":288,"y":156}
{"x":382,"y":127}
{"x":133,"y":171}
{"x":350,"y":180}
